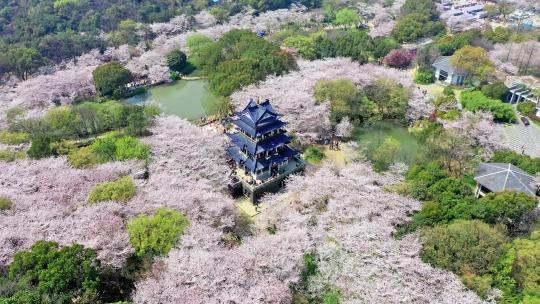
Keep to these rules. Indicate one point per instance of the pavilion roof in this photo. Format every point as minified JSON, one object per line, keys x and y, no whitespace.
{"x":502,"y":176}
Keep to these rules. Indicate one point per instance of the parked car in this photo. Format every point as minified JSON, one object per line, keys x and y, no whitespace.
{"x":525,"y":120}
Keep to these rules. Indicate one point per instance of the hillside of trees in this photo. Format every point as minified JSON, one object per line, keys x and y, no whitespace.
{"x":35,"y":33}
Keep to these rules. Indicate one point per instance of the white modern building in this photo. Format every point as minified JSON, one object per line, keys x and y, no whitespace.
{"x":445,"y":71}
{"x":520,"y":93}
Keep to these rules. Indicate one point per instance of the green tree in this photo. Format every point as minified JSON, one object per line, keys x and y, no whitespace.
{"x":425,"y":7}
{"x":121,"y":190}
{"x":24,"y":61}
{"x":383,"y":45}
{"x":354,"y":44}
{"x":499,"y":34}
{"x":113,"y":147}
{"x":176,"y":60}
{"x":452,"y":150}
{"x":386,"y":153}
{"x":305,"y":45}
{"x":410,"y":28}
{"x":157,"y":234}
{"x":50,"y":274}
{"x":474,"y":61}
{"x":324,"y":47}
{"x":196,"y":44}
{"x":127,"y":33}
{"x":111,"y":78}
{"x":463,"y":246}
{"x":63,"y":122}
{"x":390,"y":97}
{"x":345,"y":99}
{"x":347,"y":17}
{"x":241,"y":58}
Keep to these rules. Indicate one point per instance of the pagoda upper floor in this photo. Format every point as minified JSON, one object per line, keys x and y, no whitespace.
{"x":258,"y":120}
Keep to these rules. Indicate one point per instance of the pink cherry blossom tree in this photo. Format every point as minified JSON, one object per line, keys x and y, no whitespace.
{"x":399,"y":58}
{"x":345,"y":216}
{"x":515,"y":58}
{"x":344,"y":128}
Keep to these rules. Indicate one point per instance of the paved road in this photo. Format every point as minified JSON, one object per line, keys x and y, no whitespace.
{"x":520,"y":137}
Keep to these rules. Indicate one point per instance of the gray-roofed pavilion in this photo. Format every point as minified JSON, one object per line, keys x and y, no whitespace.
{"x":497,"y":177}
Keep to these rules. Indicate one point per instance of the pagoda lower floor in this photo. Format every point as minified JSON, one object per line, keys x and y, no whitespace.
{"x":254,"y":188}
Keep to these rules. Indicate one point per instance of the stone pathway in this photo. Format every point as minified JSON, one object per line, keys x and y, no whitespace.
{"x":520,"y":137}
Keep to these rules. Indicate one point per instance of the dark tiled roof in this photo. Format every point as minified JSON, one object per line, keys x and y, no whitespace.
{"x":242,"y":141}
{"x":500,"y":176}
{"x":258,"y":114}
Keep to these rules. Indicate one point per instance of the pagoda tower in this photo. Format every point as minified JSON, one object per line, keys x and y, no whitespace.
{"x":260,"y":150}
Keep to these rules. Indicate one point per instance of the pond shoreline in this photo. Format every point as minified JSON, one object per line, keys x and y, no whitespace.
{"x":187,"y":98}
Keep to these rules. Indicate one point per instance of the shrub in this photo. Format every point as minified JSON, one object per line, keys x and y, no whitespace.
{"x":82,"y":158}
{"x":450,"y":115}
{"x":14,"y":138}
{"x":480,"y":284}
{"x":527,"y":108}
{"x":113,"y":147}
{"x":157,"y":234}
{"x":176,"y":75}
{"x":475,"y":101}
{"x":448,"y":91}
{"x":424,"y":78}
{"x":526,"y":265}
{"x":495,"y":90}
{"x":41,"y":147}
{"x":9,"y":155}
{"x":5,"y":203}
{"x":313,"y":155}
{"x":121,"y":190}
{"x":463,"y":246}
{"x":63,"y":147}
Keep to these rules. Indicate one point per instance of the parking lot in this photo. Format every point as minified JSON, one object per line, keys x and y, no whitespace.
{"x":521,"y":138}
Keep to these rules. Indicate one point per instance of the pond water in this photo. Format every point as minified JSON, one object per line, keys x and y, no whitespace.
{"x":188,"y":99}
{"x":371,"y":138}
